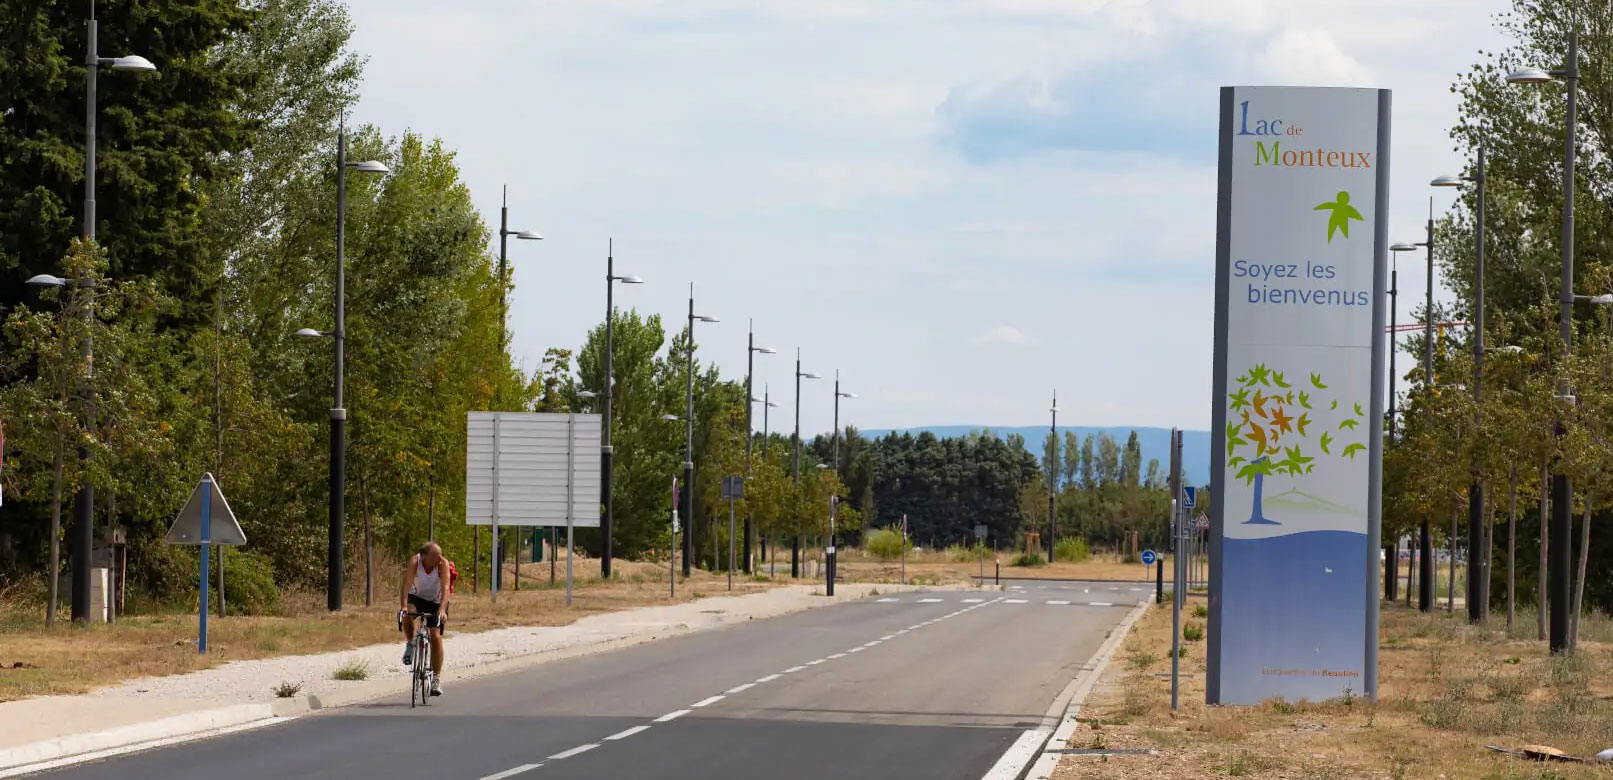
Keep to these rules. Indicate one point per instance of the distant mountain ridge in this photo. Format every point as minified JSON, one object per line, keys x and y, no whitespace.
{"x":1155,"y":442}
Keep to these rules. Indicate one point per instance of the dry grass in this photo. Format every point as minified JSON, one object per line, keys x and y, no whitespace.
{"x":936,"y":567}
{"x":75,"y":659}
{"x":1447,"y":691}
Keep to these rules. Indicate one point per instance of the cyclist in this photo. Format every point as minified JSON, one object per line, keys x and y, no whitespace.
{"x":427,"y":584}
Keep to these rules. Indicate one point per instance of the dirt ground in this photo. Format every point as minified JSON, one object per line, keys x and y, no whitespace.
{"x":1447,"y":691}
{"x":35,"y":661}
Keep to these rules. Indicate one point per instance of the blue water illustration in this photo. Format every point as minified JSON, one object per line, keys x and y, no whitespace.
{"x":1293,"y":616}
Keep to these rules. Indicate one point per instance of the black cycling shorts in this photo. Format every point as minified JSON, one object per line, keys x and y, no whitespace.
{"x":432,"y":611}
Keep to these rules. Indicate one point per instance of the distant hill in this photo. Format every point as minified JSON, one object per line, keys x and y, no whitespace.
{"x":1155,"y":442}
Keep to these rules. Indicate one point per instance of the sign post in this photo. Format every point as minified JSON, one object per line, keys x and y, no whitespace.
{"x":1297,"y":394}
{"x":195,"y":525}
{"x":733,"y":488}
{"x":980,"y":544}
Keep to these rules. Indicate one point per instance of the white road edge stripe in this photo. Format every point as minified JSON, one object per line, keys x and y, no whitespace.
{"x":740,"y":688}
{"x":576,"y":751}
{"x":515,"y":771}
{"x":628,"y":733}
{"x":673,"y":715}
{"x":708,"y":701}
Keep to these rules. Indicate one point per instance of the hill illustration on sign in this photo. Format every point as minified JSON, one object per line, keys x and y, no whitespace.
{"x":1265,"y":421}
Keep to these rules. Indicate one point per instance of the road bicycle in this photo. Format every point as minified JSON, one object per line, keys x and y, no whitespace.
{"x":420,"y":675}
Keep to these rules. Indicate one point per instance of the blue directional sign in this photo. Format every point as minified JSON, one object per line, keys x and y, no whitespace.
{"x":1149,"y":557}
{"x":1188,"y":494}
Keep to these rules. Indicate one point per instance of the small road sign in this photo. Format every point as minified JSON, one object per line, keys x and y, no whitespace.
{"x":733,"y":487}
{"x":1149,"y":557}
{"x":980,"y":532}
{"x":196,"y":525}
{"x":1189,"y":493}
{"x":1202,"y":522}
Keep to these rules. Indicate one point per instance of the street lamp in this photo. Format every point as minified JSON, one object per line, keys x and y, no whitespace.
{"x":504,"y":233}
{"x":829,"y":553}
{"x":338,"y":412}
{"x":1561,"y":527}
{"x":1425,"y":545}
{"x":750,"y":369}
{"x":688,"y":436}
{"x":84,"y":502}
{"x":606,"y":457}
{"x":1478,"y":580}
{"x":795,"y":540}
{"x":767,"y":403}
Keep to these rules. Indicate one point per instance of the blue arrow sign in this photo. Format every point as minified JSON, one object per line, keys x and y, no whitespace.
{"x":1149,"y":557}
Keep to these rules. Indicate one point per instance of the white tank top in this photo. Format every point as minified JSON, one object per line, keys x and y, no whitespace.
{"x":427,"y":585}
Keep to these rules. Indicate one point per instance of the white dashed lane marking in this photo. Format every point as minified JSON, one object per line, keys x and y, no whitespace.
{"x":578,"y":750}
{"x":673,"y":715}
{"x":512,"y":772}
{"x":627,"y":733}
{"x":1058,"y":602}
{"x":769,"y":678}
{"x":708,"y":701}
{"x":740,"y":688}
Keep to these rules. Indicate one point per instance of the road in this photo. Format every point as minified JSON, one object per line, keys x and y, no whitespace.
{"x":928,"y":684}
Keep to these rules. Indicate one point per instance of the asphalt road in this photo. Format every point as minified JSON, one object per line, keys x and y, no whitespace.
{"x":928,"y":685}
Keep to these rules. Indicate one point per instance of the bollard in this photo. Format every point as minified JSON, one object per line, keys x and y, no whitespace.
{"x":1159,"y":582}
{"x":999,"y":565}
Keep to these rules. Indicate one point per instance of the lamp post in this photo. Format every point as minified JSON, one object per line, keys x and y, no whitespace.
{"x":606,"y":457}
{"x":767,"y":403}
{"x":1561,"y":526}
{"x":1478,"y":566}
{"x":672,"y":563}
{"x":1394,"y":337}
{"x":835,"y":500}
{"x":83,"y":537}
{"x":750,"y":370}
{"x":829,"y":552}
{"x":504,"y":233}
{"x":795,"y":539}
{"x":1052,"y":474}
{"x":338,"y":412}
{"x":688,"y":437}
{"x":1425,"y":544}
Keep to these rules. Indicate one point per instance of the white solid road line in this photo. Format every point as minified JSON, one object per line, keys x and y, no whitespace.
{"x":518,"y":770}
{"x":628,"y":733}
{"x":709,"y":700}
{"x":576,"y":751}
{"x":740,"y":688}
{"x":673,"y":715}
{"x":769,"y":678}
{"x":1058,"y":602}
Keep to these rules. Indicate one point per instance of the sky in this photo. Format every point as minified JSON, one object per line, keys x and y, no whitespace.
{"x":961,"y":206}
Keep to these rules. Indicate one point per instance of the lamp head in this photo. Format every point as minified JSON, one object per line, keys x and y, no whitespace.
{"x":371,"y":166}
{"x":671,"y":417}
{"x":767,"y":350}
{"x":1448,"y":181}
{"x":528,"y":235}
{"x":809,"y":375}
{"x":47,"y":280}
{"x":704,"y":318}
{"x":587,"y":394}
{"x":1402,"y":246}
{"x":309,"y":333}
{"x":629,"y":279}
{"x":1529,"y":76}
{"x":135,"y":63}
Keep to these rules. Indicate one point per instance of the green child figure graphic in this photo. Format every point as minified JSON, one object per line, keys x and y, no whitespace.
{"x":1343,"y":212}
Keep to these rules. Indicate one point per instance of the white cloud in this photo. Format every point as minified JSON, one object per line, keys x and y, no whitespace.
{"x":1310,"y":56}
{"x":1003,"y":334}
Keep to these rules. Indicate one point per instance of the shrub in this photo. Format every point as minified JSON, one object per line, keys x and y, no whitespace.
{"x":249,"y":586}
{"x":957,"y":553}
{"x":885,"y":544}
{"x":1201,"y":611}
{"x":1030,"y":559}
{"x":287,"y":690}
{"x":1071,"y":550}
{"x":353,"y":670}
{"x":1193,"y":632}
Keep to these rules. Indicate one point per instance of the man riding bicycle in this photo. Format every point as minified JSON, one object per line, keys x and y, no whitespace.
{"x":427,"y":584}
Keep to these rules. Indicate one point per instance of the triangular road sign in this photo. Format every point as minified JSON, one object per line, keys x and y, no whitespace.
{"x":187,"y":527}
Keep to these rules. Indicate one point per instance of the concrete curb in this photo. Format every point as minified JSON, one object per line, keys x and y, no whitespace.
{"x":1027,"y":758}
{"x":66,"y":750}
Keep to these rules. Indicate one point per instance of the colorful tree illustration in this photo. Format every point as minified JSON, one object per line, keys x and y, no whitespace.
{"x":1268,"y":414}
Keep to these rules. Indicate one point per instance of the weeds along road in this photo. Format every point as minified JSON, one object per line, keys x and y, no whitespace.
{"x":930,"y":684}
